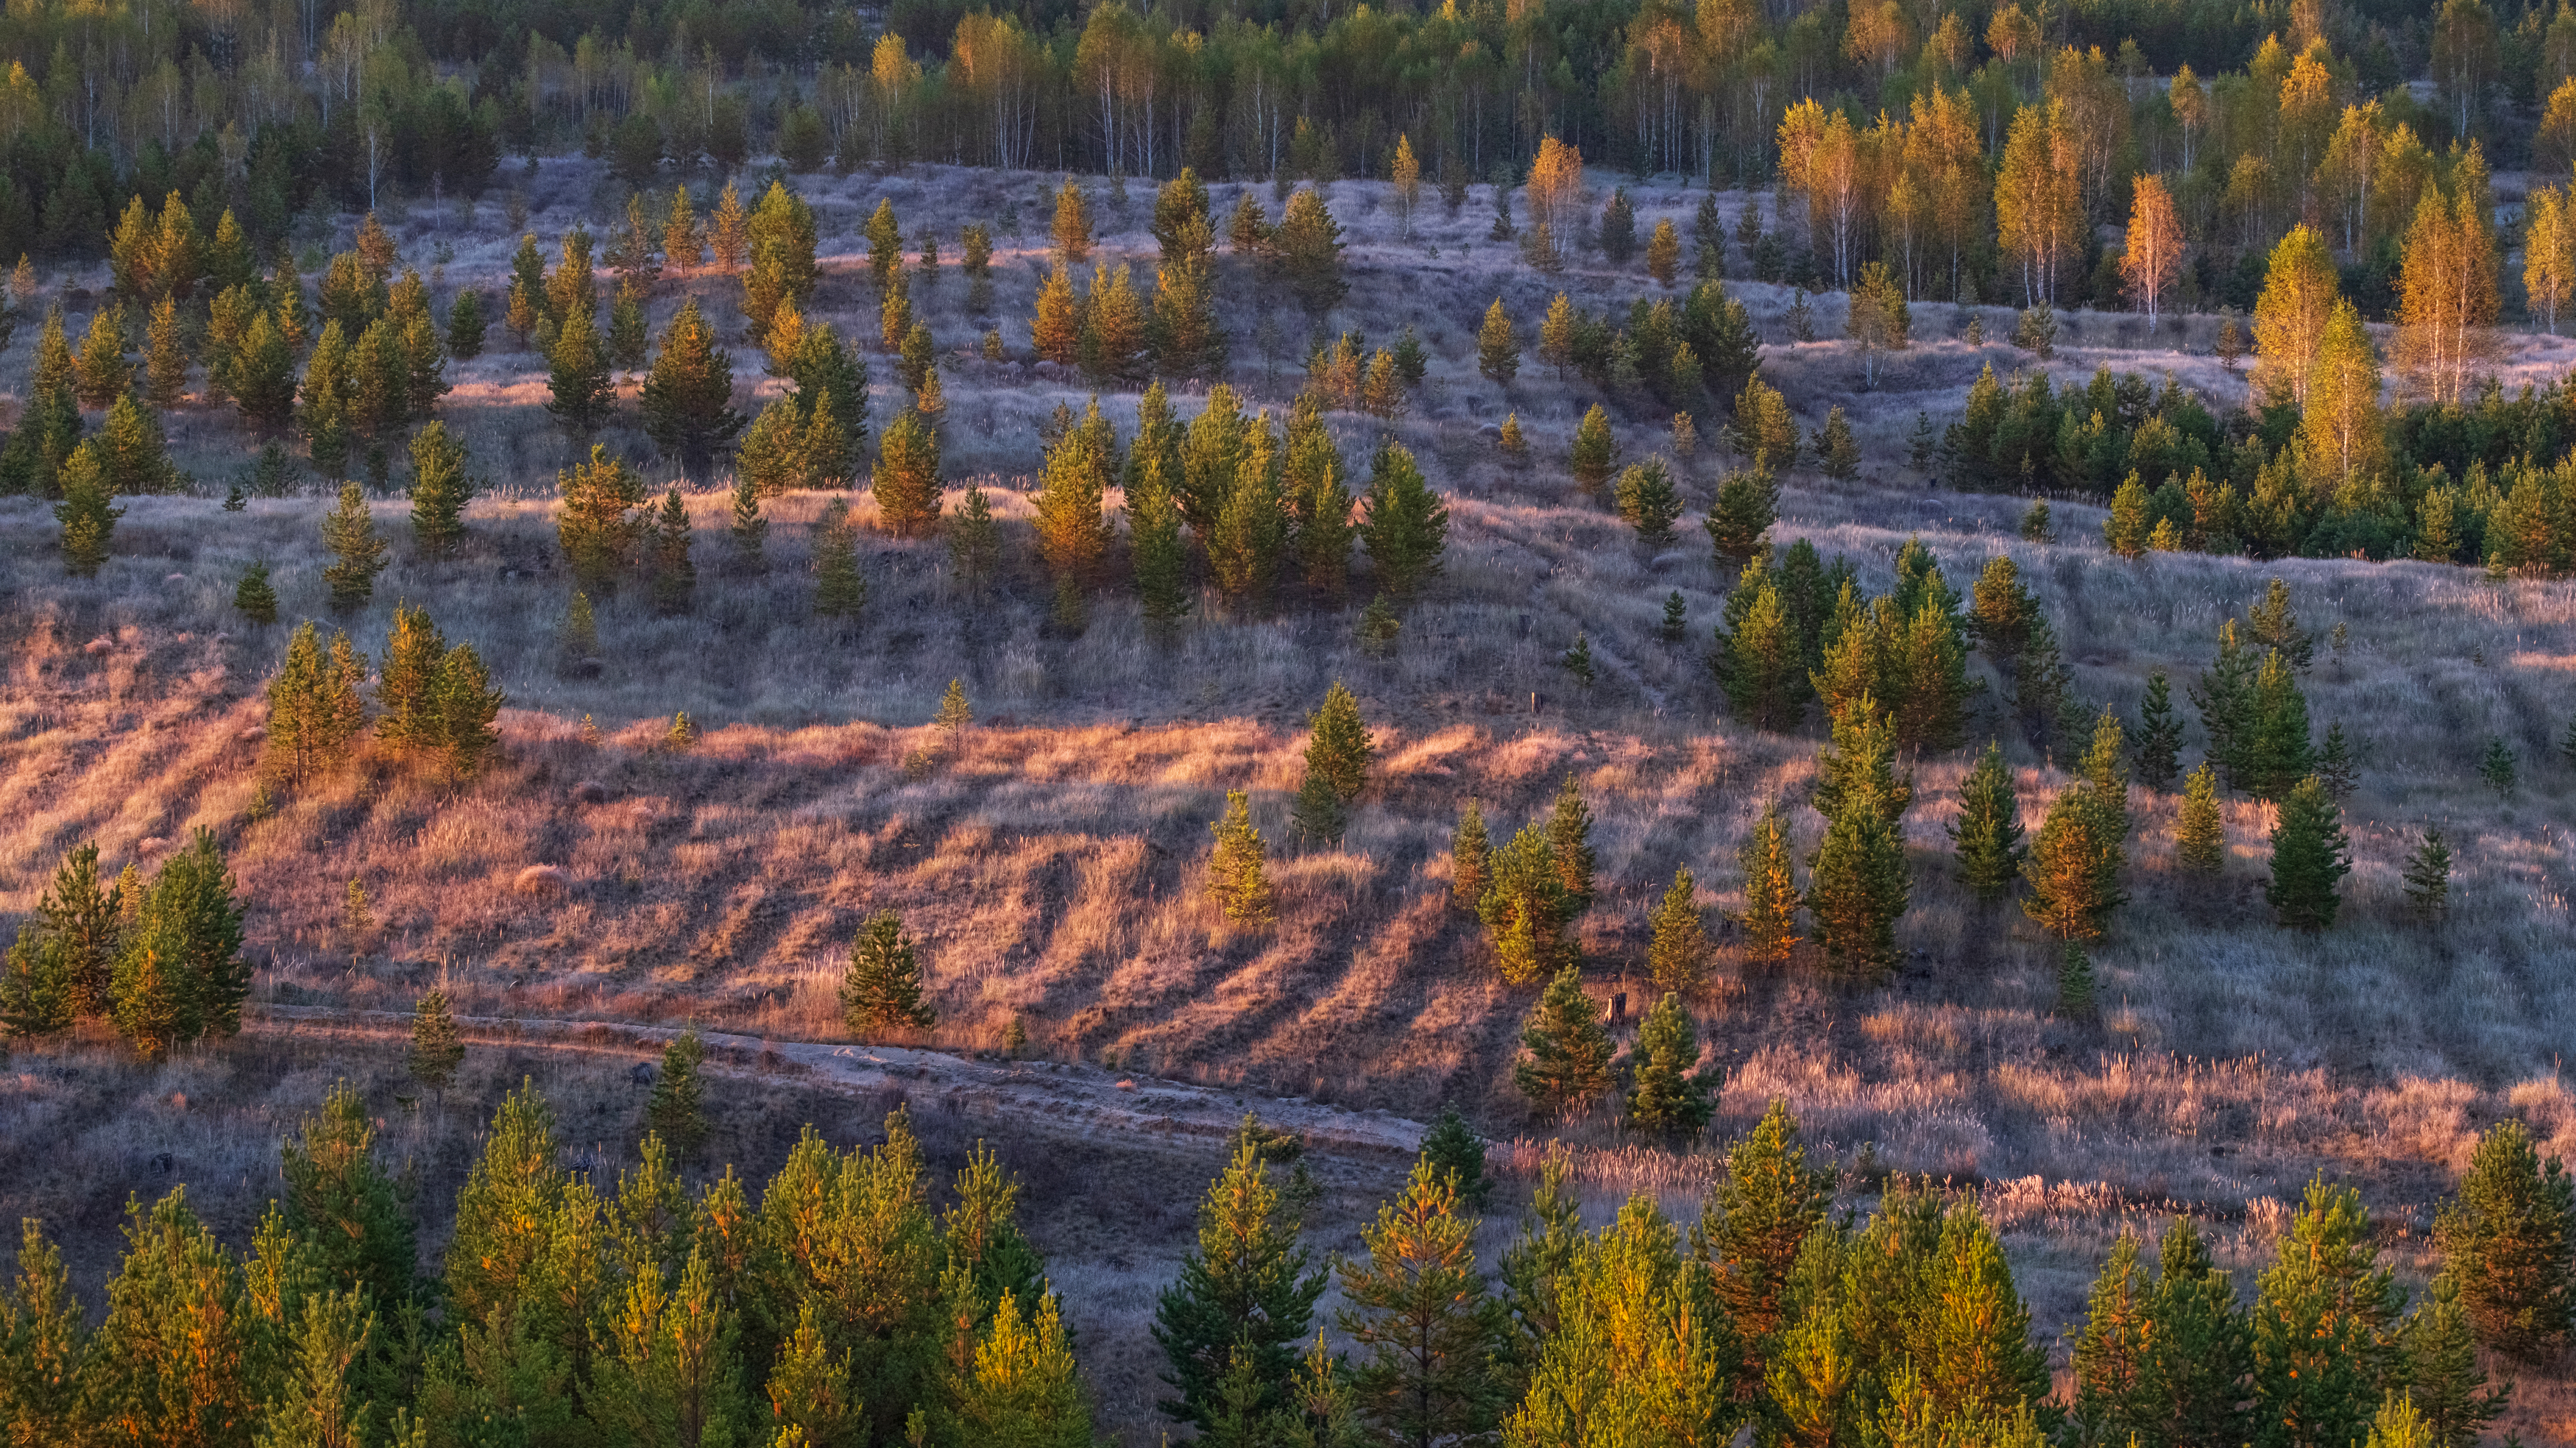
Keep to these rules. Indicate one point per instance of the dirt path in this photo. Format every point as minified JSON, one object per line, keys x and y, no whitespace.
{"x":1070,"y":1102}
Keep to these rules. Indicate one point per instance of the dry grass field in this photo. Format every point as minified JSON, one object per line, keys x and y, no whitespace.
{"x":1052,"y":863}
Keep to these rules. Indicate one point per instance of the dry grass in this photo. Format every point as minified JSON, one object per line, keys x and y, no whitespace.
{"x":1052,"y":866}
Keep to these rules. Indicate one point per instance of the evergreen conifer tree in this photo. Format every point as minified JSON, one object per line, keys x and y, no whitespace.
{"x":2159,"y":746}
{"x":2067,"y":866}
{"x":2440,"y":1371}
{"x":1676,"y":625}
{"x":2310,"y":857}
{"x":595,"y":529}
{"x":407,"y":686}
{"x":1649,"y":502}
{"x":675,"y":1111}
{"x":466,"y":325}
{"x":256,"y":597}
{"x":1566,"y":1051}
{"x":906,"y":481}
{"x":1243,"y":1298}
{"x":2200,"y":835}
{"x":882,"y":987}
{"x":1452,"y":1148}
{"x":1524,"y":907}
{"x":340,"y":1201}
{"x":436,"y":1048}
{"x":1988,"y":831}
{"x":1338,"y":748}
{"x":749,"y":530}
{"x":840,"y":593}
{"x":687,"y":398}
{"x":1161,"y":557}
{"x":974,"y":541}
{"x":1419,"y":1311}
{"x":2428,"y":878}
{"x":357,"y":554}
{"x":2497,"y":766}
{"x":1237,"y":880}
{"x":100,"y":370}
{"x":314,"y":709}
{"x":1578,"y":660}
{"x":1837,"y":448}
{"x":1593,"y":452}
{"x":1470,"y":864}
{"x":1569,"y":842}
{"x":1307,"y":250}
{"x":1859,"y":884}
{"x":577,"y":375}
{"x":1407,"y":527}
{"x":1498,"y":353}
{"x":1678,"y":953}
{"x":1771,"y":894}
{"x":2324,"y":1323}
{"x":675,"y":576}
{"x":165,"y":364}
{"x":2509,"y":1244}
{"x":440,"y":489}
{"x":88,"y":519}
{"x":1759,"y":658}
{"x":2335,"y":764}
{"x":43,"y":1341}
{"x":1669,"y":1099}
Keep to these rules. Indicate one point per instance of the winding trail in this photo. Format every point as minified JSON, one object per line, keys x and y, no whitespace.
{"x":1071,"y":1102}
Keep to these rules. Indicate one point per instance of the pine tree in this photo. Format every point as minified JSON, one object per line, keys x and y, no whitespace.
{"x":1569,"y":842}
{"x":2441,"y":1372}
{"x":166,"y":358}
{"x":1771,"y":894}
{"x":2310,"y":857}
{"x":1649,"y":502}
{"x":2335,"y":764}
{"x":1160,"y":556}
{"x":1593,"y":452}
{"x":1418,"y":1309}
{"x":2325,"y":1322}
{"x":440,"y":489}
{"x":1244,"y":1296}
{"x":1859,"y":883}
{"x":840,"y":593}
{"x":2159,"y":735}
{"x":2496,"y":766}
{"x":1566,"y":1051}
{"x":340,"y":1201}
{"x":2428,"y":878}
{"x":255,"y":597}
{"x":1669,"y":1099}
{"x":1498,"y":353}
{"x":1664,"y":252}
{"x":1317,"y":812}
{"x":687,"y":398}
{"x":1837,"y":448}
{"x":88,"y":519}
{"x":674,"y":1112}
{"x":1524,"y":907}
{"x":974,"y":541}
{"x":314,"y":709}
{"x":100,"y":370}
{"x":1739,"y":524}
{"x":577,"y":375}
{"x":2066,"y":868}
{"x":1510,"y":440}
{"x":1338,"y":749}
{"x":749,"y":530}
{"x":465,"y":325}
{"x":1676,"y":625}
{"x":1471,"y":868}
{"x":594,"y":530}
{"x":358,"y":555}
{"x":1071,"y":228}
{"x":1988,"y":832}
{"x":882,"y":988}
{"x":1453,"y":1149}
{"x":1578,"y":660}
{"x":43,"y":1341}
{"x":1023,"y":1387}
{"x":1678,"y":954}
{"x":1072,"y":534}
{"x":436,"y":1048}
{"x":2509,"y":1244}
{"x":1407,"y":527}
{"x":260,"y":374}
{"x":407,"y":686}
{"x":2200,"y":837}
{"x":675,"y":576}
{"x":1307,"y":249}
{"x":906,"y":480}
{"x":1237,"y":880}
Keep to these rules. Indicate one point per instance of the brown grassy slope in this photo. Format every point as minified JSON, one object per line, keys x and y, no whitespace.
{"x":1053,"y":868}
